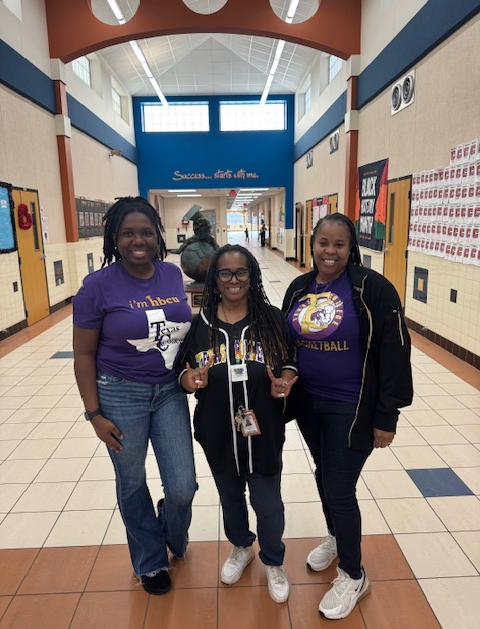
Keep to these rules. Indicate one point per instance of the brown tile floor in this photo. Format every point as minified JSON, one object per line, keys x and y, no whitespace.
{"x":92,"y":587}
{"x":76,"y":588}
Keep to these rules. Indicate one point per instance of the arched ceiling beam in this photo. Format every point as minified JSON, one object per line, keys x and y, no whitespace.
{"x":73,"y":30}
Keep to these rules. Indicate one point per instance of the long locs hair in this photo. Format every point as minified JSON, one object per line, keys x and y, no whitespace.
{"x":113,"y":219}
{"x":264,"y":327}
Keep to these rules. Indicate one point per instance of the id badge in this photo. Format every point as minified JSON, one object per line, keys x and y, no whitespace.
{"x":239,"y":373}
{"x":249,"y":425}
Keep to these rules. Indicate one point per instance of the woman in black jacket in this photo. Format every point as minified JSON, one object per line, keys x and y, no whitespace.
{"x":237,"y":357}
{"x":353,"y":358}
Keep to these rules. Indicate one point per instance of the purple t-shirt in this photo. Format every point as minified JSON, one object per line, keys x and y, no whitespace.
{"x":326,"y":331}
{"x":142,"y":322}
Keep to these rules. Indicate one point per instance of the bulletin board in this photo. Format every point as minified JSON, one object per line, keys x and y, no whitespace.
{"x":7,"y":233}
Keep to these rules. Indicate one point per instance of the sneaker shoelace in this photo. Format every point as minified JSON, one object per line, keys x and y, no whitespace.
{"x":236,"y":552}
{"x":341,"y":584}
{"x":277,"y":574}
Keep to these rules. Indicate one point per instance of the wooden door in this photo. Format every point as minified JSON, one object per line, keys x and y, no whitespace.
{"x":332,"y":203}
{"x":299,"y":235}
{"x":31,"y":258}
{"x":308,"y":232}
{"x":396,"y":237}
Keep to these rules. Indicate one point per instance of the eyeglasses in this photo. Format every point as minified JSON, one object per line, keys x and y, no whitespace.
{"x":225,"y":275}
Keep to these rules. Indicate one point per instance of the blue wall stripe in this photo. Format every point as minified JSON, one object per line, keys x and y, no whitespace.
{"x":435,"y":21}
{"x":331,"y":119}
{"x":21,"y":76}
{"x":26,"y":79}
{"x":90,"y":124}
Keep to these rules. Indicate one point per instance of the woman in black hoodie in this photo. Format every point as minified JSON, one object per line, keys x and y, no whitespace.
{"x":238,"y":359}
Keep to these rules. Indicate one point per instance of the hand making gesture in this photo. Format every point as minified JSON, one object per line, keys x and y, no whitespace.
{"x":282,"y":386}
{"x":197,"y":378}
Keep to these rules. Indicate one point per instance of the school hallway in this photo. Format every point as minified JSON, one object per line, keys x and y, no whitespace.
{"x":65,"y":563}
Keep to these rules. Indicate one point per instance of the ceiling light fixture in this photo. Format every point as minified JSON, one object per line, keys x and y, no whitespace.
{"x":189,"y":195}
{"x":278,"y":53}
{"x":180,"y":190}
{"x":117,"y":12}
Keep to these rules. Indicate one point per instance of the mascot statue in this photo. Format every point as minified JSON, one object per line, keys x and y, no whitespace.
{"x":197,"y":251}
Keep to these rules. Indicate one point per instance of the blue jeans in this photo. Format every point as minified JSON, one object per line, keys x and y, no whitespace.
{"x":158,"y":413}
{"x":325,"y":425}
{"x":266,"y":500}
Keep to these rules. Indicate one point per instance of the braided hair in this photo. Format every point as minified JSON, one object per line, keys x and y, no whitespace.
{"x":354,"y":255}
{"x":113,"y":220}
{"x":264,"y":327}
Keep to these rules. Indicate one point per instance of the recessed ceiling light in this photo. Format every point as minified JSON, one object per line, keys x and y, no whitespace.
{"x":189,"y":195}
{"x":178,"y":190}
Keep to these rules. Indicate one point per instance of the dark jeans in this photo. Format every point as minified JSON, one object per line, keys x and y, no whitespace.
{"x":266,"y":501}
{"x":325,"y":425}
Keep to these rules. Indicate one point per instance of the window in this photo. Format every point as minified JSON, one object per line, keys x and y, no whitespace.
{"x":177,"y":117}
{"x":234,"y":219}
{"x":253,"y":116}
{"x":81,"y":67}
{"x":116,"y":102}
{"x":15,"y":6}
{"x":334,"y":67}
{"x":307,"y":99}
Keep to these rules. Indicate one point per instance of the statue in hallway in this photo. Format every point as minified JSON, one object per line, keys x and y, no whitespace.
{"x":197,"y":251}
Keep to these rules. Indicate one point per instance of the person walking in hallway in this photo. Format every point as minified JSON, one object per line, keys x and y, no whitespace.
{"x":130,"y":318}
{"x":353,"y":356}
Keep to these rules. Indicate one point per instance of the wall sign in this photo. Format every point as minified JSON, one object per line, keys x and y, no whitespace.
{"x":371,"y":204}
{"x":90,"y":214}
{"x":219,"y":174}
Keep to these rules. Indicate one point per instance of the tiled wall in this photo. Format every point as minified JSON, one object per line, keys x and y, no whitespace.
{"x":12,"y":310}
{"x":458,"y":322}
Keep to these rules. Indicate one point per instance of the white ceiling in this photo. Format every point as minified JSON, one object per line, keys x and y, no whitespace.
{"x":209,"y":63}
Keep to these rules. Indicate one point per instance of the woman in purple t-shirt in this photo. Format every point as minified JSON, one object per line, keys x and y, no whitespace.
{"x":130,"y":318}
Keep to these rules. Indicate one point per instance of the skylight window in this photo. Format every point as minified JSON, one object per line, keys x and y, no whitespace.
{"x":253,"y":116}
{"x":192,"y":116}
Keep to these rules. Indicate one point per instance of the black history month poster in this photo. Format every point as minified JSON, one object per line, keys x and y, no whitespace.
{"x":371,"y":204}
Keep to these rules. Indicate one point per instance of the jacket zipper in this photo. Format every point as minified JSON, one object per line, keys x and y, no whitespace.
{"x":293,"y":297}
{"x":232,"y":410}
{"x":367,"y":351}
{"x":400,"y":331}
{"x":247,"y":405}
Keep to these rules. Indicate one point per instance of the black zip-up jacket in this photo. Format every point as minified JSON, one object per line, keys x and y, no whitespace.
{"x":226,"y":449}
{"x":386,"y":383}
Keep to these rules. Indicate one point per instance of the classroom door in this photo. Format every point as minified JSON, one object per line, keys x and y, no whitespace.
{"x":308,"y":232}
{"x":396,"y":237}
{"x":299,"y":235}
{"x":32,"y":258}
{"x":332,"y":203}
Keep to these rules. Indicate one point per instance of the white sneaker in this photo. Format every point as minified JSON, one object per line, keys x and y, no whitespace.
{"x":239,"y":559}
{"x":340,"y":600}
{"x":322,"y":556}
{"x":278,"y":585}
